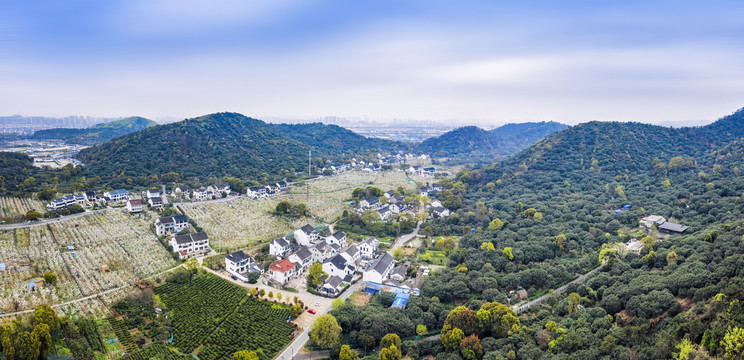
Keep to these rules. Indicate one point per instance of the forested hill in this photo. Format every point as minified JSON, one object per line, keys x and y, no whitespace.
{"x":559,"y":208}
{"x":336,"y":140}
{"x":98,"y":133}
{"x":472,"y":143}
{"x":619,"y":147}
{"x":222,"y":144}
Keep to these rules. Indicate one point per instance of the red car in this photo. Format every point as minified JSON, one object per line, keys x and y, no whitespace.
{"x":312,"y":311}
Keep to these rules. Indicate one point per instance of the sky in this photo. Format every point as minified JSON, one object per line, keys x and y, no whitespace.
{"x":458,"y":62}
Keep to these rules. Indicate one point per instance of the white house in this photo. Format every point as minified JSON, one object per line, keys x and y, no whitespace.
{"x":201,"y":194}
{"x":61,"y":203}
{"x":306,"y":235}
{"x":302,"y":258}
{"x":424,"y":191}
{"x":441,"y":211}
{"x":171,"y":224}
{"x":279,"y":247}
{"x":368,"y":248}
{"x":282,"y":185}
{"x":181,"y":190}
{"x":651,"y":220}
{"x":155,"y":201}
{"x":338,"y":238}
{"x":322,"y":251}
{"x":399,"y":273}
{"x":389,"y":194}
{"x":332,"y":285}
{"x":385,"y":213}
{"x":117,"y":195}
{"x":190,"y":245}
{"x":240,"y":264}
{"x":338,"y":266}
{"x":134,"y":206}
{"x":379,"y":270}
{"x":352,"y":254}
{"x":223,"y":188}
{"x":256,"y":191}
{"x":149,"y":194}
{"x":281,"y":271}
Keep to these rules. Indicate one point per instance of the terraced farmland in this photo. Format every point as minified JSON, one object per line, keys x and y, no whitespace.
{"x":123,"y":243}
{"x":243,"y":222}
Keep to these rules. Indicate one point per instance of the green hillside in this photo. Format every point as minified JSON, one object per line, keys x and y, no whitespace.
{"x":335,"y":140}
{"x":473,"y":144}
{"x":98,"y":133}
{"x":215,"y":145}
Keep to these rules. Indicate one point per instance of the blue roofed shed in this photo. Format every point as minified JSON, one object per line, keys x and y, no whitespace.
{"x":401,"y":299}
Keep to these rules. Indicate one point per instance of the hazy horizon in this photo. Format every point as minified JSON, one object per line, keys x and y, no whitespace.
{"x":460,"y":63}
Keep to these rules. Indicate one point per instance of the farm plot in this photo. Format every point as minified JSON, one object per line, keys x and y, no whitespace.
{"x":238,"y":223}
{"x":11,"y":207}
{"x":241,"y":223}
{"x":198,"y":306}
{"x":273,"y":333}
{"x":122,"y":244}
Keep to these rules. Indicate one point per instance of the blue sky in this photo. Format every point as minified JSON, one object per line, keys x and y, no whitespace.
{"x":462,"y":62}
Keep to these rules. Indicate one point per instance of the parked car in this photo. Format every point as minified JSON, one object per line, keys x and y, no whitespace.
{"x":312,"y":311}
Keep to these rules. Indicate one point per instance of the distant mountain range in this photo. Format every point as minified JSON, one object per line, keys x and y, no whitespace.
{"x":98,"y":133}
{"x":474,"y":144}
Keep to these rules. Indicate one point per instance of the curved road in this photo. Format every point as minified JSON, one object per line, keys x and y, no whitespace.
{"x":518,"y":308}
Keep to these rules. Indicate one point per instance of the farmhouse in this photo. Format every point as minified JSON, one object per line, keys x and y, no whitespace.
{"x":338,"y":238}
{"x":651,"y":220}
{"x":279,"y":247}
{"x":117,"y":195}
{"x":155,"y":201}
{"x":281,"y":271}
{"x":671,"y":228}
{"x":332,"y":285}
{"x":302,"y":258}
{"x":223,"y":188}
{"x":134,"y":206}
{"x":256,"y":191}
{"x":368,"y":248}
{"x":441,"y":211}
{"x":240,"y":264}
{"x":634,"y":246}
{"x":149,"y":194}
{"x":424,"y":191}
{"x":400,"y":272}
{"x":352,"y":254}
{"x":90,"y":196}
{"x":282,"y":185}
{"x":385,"y":212}
{"x":171,"y":224}
{"x":323,"y":250}
{"x":306,"y":235}
{"x":181,"y":190}
{"x":202,"y":194}
{"x":338,"y":266}
{"x":61,"y":203}
{"x":190,"y":245}
{"x":370,"y":202}
{"x":379,"y":270}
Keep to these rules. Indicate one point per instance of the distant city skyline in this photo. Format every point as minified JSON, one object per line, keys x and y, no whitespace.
{"x":458,"y":63}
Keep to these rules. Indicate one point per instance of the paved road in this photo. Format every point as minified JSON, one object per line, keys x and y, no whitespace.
{"x":405,"y":238}
{"x":51,"y":221}
{"x":299,"y":341}
{"x":518,"y":308}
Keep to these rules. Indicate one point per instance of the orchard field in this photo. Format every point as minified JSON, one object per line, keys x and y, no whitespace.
{"x":121,"y":242}
{"x":241,"y":223}
{"x":214,"y":318}
{"x":11,"y":207}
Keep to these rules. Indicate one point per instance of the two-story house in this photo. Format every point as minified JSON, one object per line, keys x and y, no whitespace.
{"x":190,"y":245}
{"x":171,"y":224}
